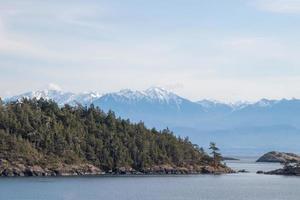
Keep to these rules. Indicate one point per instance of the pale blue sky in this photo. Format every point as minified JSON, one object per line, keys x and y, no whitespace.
{"x":225,"y":50}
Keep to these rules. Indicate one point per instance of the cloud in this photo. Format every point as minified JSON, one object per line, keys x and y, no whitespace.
{"x":263,"y":48}
{"x":38,"y":40}
{"x":94,"y":47}
{"x":279,"y":6}
{"x":53,"y":86}
{"x":174,"y":86}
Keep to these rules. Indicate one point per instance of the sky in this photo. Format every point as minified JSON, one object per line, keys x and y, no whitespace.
{"x":201,"y":49}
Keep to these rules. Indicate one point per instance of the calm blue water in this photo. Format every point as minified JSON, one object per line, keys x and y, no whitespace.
{"x":203,"y":187}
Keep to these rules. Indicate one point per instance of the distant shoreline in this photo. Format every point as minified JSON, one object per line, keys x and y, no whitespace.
{"x":229,"y":158}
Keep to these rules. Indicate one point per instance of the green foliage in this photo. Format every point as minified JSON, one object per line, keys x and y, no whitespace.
{"x":14,"y":148}
{"x":216,"y":155}
{"x":40,"y":131}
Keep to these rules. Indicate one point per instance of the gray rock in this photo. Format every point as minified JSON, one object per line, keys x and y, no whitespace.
{"x":279,"y":157}
{"x":243,"y":171}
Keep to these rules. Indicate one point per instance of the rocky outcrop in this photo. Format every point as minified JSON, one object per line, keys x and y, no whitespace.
{"x":73,"y":170}
{"x":290,"y":170}
{"x":242,"y":171}
{"x":17,"y":169}
{"x":286,"y":172}
{"x":169,"y":169}
{"x":279,"y":157}
{"x":217,"y":170}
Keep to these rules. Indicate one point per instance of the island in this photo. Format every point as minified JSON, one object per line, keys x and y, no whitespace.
{"x":279,"y":157}
{"x":290,"y":163}
{"x":40,"y":138}
{"x":288,"y":170}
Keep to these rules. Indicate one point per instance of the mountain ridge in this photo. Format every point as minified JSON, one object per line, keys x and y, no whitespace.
{"x":153,"y":93}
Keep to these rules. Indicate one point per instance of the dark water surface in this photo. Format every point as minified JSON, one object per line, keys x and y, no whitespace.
{"x":246,"y":186}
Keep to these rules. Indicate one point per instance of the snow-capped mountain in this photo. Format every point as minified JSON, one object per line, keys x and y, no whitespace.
{"x":56,"y":95}
{"x":153,"y":95}
{"x":266,"y":103}
{"x":156,"y":106}
{"x":209,"y":103}
{"x":60,"y":97}
{"x":156,"y":99}
{"x":215,"y":106}
{"x":86,"y":98}
{"x":162,"y":95}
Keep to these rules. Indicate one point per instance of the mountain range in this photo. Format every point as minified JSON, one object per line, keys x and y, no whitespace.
{"x":238,"y":128}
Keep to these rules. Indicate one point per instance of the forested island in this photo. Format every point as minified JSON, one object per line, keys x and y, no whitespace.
{"x":39,"y":138}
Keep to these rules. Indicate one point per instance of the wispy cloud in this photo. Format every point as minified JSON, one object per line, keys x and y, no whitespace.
{"x":36,"y":43}
{"x":280,"y":6}
{"x":109,"y":45}
{"x":261,"y":48}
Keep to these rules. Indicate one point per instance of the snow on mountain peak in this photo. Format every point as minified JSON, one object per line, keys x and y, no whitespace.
{"x":265,"y":103}
{"x":153,"y":94}
{"x":206,"y":103}
{"x":130,"y":94}
{"x":156,"y":91}
{"x":85,"y":98}
{"x":161,"y":94}
{"x":94,"y":94}
{"x":59,"y":96}
{"x":238,"y":105}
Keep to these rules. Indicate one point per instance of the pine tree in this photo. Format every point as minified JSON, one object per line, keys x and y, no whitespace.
{"x":216,"y":155}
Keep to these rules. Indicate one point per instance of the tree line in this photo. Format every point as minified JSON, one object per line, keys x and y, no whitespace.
{"x":40,"y":132}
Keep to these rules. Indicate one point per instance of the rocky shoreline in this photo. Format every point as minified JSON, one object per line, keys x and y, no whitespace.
{"x":14,"y":169}
{"x":18,"y":169}
{"x":287,"y":171}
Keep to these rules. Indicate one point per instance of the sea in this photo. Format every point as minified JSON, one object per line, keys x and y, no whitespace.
{"x":240,"y":186}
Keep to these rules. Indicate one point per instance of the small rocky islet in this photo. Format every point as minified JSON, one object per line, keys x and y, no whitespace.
{"x":289,"y":161}
{"x":290,"y":170}
{"x":279,"y":157}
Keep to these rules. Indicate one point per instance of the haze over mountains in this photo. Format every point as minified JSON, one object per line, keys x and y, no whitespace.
{"x":242,"y":128}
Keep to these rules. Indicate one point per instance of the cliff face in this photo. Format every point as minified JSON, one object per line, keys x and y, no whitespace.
{"x":279,"y":157}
